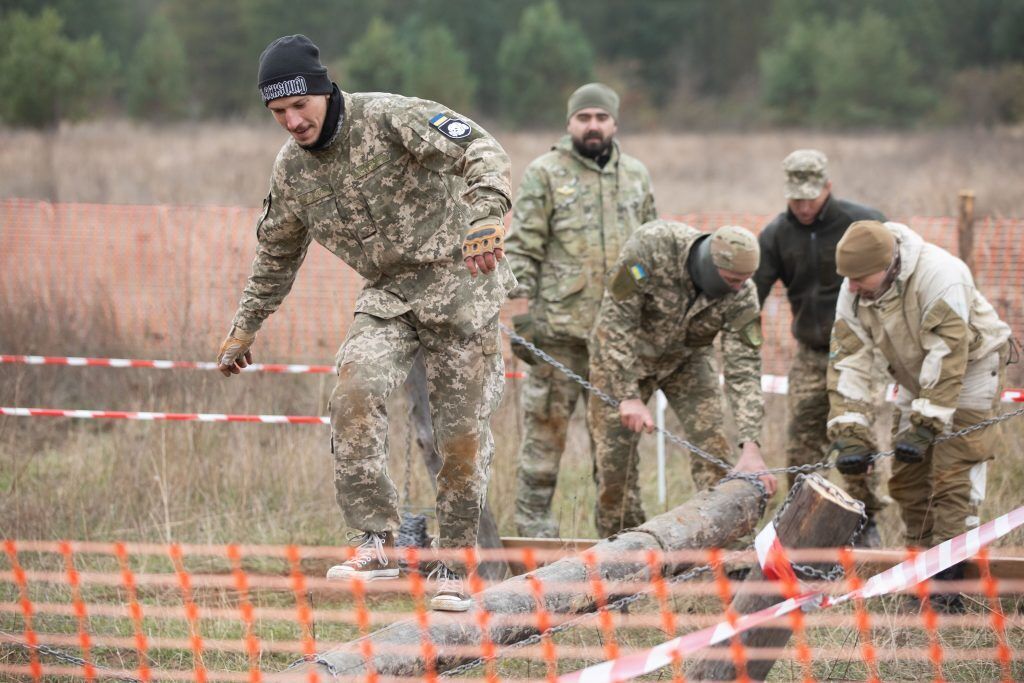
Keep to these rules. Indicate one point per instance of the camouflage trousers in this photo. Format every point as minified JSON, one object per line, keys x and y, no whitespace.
{"x":806,"y":438}
{"x":939,"y":497}
{"x":465,"y":378}
{"x":548,"y":399}
{"x":693,"y":393}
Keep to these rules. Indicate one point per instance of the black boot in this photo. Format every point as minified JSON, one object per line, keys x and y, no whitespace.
{"x":943,"y":599}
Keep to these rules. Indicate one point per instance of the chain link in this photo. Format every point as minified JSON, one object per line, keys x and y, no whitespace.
{"x":65,"y":657}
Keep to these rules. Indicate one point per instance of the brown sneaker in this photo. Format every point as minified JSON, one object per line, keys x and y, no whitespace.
{"x":370,"y":563}
{"x":450,"y":595}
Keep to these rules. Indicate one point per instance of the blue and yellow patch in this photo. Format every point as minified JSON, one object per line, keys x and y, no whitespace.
{"x":454,"y":129}
{"x":638,"y":272}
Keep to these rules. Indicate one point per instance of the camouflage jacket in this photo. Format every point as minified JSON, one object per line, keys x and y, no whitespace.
{"x":940,"y":337}
{"x":571,"y":218}
{"x":391,"y":196}
{"x":652,"y":320}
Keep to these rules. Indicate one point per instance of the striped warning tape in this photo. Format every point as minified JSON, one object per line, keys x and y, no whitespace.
{"x":904,"y":575}
{"x":166,"y":417}
{"x":81,"y":361}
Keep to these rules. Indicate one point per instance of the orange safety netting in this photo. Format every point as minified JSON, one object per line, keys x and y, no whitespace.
{"x":170,"y":273}
{"x":149,"y":612}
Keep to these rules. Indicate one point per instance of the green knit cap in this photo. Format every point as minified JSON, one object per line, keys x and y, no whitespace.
{"x":594,"y":95}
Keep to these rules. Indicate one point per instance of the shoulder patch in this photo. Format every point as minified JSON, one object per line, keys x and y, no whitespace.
{"x":627,"y":281}
{"x":453,"y":129}
{"x":751,"y":334}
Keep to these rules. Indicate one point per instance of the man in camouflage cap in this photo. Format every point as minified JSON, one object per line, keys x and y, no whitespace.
{"x":411,"y":195}
{"x":673,"y":292}
{"x":576,"y":206}
{"x":798,"y":247}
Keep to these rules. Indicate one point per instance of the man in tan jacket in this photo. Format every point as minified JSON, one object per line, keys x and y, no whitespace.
{"x":946,"y":348}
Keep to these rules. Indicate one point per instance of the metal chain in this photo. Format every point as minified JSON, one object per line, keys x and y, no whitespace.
{"x":65,"y":657}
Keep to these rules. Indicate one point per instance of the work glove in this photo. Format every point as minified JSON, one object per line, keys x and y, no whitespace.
{"x":234,"y":353}
{"x":911,"y":444}
{"x":852,"y":456}
{"x":483,"y":247}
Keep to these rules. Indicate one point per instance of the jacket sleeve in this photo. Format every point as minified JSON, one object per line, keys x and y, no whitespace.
{"x":283,"y":242}
{"x":769,"y":269}
{"x":945,"y":336}
{"x":648,"y":212}
{"x":850,"y":386}
{"x":428,"y":130}
{"x":618,"y":327}
{"x":741,"y":342}
{"x":527,"y":243}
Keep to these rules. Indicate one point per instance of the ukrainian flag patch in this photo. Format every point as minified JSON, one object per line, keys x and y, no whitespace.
{"x":454,"y":129}
{"x":638,"y":272}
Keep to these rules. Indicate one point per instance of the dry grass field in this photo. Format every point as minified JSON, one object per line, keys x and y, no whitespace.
{"x":267,"y":484}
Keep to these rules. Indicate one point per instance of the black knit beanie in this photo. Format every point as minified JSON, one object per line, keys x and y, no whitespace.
{"x":291,"y":66}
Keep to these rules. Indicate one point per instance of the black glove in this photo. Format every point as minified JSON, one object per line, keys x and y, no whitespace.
{"x":523,"y":325}
{"x":913,"y":443}
{"x":852,"y":456}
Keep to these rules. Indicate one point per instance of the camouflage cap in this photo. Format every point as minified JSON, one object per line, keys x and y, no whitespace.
{"x":736,"y":249}
{"x":806,"y":173}
{"x":867,"y":248}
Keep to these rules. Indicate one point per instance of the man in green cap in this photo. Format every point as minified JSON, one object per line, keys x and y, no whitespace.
{"x":576,"y":206}
{"x":673,"y":292}
{"x":945,"y":347}
{"x":411,"y":195}
{"x":798,"y":247}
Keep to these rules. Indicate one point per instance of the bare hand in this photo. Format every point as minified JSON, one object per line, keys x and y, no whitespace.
{"x":484,"y":263}
{"x":751,"y":461}
{"x":635,"y":416}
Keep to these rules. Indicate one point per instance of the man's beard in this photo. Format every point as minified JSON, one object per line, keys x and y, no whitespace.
{"x":592,"y":145}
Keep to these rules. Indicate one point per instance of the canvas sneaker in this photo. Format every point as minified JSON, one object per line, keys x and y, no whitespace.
{"x":370,"y":563}
{"x":450,"y":595}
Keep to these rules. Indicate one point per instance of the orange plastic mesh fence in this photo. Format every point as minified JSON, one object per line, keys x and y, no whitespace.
{"x":149,"y":612}
{"x":169,"y":273}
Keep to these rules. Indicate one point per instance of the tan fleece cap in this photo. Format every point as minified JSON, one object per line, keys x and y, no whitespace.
{"x":594,"y":95}
{"x":736,"y":249}
{"x":866,"y":248}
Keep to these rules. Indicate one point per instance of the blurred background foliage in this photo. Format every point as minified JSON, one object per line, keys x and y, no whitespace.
{"x":677,"y":63}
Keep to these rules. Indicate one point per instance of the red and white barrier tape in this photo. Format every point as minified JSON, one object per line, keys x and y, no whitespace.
{"x":900,"y":577}
{"x":77,"y":361}
{"x":167,"y":417}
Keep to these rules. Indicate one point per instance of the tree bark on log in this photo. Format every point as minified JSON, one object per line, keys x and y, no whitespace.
{"x":418,"y":396}
{"x":820,"y":515}
{"x":712,"y":518}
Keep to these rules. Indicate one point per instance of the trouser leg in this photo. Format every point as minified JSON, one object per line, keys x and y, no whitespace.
{"x":374,"y":359}
{"x":548,"y":398}
{"x":465,"y":377}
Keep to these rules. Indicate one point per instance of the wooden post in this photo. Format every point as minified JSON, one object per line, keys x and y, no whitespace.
{"x":712,"y":518}
{"x":417,"y":395}
{"x":965,"y":227}
{"x":820,"y":515}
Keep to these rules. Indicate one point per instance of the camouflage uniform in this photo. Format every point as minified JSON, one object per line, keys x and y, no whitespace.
{"x":654,"y":331}
{"x":392,"y":196}
{"x":570,"y":219}
{"x":946,"y":348}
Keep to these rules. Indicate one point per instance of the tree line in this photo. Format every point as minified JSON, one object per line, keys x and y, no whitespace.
{"x":677,"y":63}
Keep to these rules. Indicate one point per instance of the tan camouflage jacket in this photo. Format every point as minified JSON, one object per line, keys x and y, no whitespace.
{"x":392,"y":197}
{"x":570,"y":219}
{"x":652,"y":321}
{"x":939,"y":335}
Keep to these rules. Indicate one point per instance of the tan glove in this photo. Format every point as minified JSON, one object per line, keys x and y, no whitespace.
{"x":483,"y":247}
{"x":234,"y":353}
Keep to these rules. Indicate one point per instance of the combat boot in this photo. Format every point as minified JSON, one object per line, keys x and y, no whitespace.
{"x":371,"y":562}
{"x":451,"y":595}
{"x":943,"y":599}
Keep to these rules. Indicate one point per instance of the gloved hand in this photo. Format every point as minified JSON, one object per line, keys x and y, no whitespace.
{"x":911,"y":445}
{"x":482,"y":248}
{"x":234,"y":353}
{"x":523,"y":326}
{"x":851,"y":455}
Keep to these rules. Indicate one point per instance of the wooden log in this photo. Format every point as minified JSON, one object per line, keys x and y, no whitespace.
{"x":711,"y":518}
{"x":820,"y":515}
{"x":417,"y":394}
{"x":965,"y":227}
